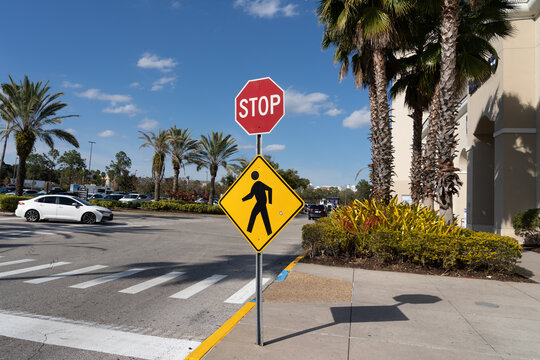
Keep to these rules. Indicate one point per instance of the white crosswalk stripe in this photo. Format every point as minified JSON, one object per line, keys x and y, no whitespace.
{"x":34,"y":268}
{"x":65,"y":274}
{"x":106,"y":279}
{"x":198,"y":287}
{"x":14,"y":262}
{"x":152,"y":282}
{"x":242,"y":295}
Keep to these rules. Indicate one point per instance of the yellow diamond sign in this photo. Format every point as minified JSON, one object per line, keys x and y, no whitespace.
{"x":260,"y":203}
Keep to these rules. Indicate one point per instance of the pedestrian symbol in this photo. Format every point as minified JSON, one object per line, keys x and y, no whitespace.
{"x":260,"y":203}
{"x":259,"y":189}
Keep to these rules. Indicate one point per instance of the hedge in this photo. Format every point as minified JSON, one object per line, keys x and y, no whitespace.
{"x":161,"y":205}
{"x":10,"y":202}
{"x":470,"y":250}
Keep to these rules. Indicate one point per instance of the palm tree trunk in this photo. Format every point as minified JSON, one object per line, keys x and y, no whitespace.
{"x":430,"y":153}
{"x":3,"y":154}
{"x":21,"y":174}
{"x":386,"y":161}
{"x":212,"y":190}
{"x":374,"y":137}
{"x":417,"y":161}
{"x":175,"y":180}
{"x":447,"y":137}
{"x":157,"y":184}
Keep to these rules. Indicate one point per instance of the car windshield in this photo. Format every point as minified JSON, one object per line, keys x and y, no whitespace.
{"x":317,"y":207}
{"x":130,"y":196}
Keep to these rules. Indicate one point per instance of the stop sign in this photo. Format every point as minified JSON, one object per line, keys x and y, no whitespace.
{"x":259,"y":106}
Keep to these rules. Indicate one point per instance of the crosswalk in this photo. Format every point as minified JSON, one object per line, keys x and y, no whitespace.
{"x":67,"y":228}
{"x":246,"y":291}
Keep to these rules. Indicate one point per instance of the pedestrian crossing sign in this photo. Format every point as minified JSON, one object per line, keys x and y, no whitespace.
{"x":260,"y":203}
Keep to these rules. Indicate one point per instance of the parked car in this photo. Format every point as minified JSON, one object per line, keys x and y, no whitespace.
{"x":113,"y":197}
{"x":316,"y":211}
{"x":95,"y":197}
{"x":29,"y":192}
{"x":61,"y":207}
{"x":134,"y":198}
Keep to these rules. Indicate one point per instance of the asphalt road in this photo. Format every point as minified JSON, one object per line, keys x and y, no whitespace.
{"x":142,"y":286}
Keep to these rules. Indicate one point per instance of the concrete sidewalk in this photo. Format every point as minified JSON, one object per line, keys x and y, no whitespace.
{"x":322,"y":312}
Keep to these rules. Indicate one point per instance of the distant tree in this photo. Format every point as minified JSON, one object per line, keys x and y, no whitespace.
{"x":41,"y":167}
{"x":363,"y":189}
{"x":30,"y":109}
{"x":291,"y":177}
{"x":216,"y":151}
{"x":71,"y":167}
{"x":118,"y":171}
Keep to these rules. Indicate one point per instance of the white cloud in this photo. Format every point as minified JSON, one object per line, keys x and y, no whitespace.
{"x":299,"y":103}
{"x":175,"y":5}
{"x":158,"y":84}
{"x":68,"y":84}
{"x":96,"y":94}
{"x":128,"y":109}
{"x":358,"y":119}
{"x":72,"y":131}
{"x":266,"y":8}
{"x":148,"y":124}
{"x":246,"y":146}
{"x":107,"y":133}
{"x":334,"y":112}
{"x":274,"y":147}
{"x":135,"y":85}
{"x":151,"y":61}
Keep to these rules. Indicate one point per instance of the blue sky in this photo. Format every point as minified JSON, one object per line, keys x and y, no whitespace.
{"x":137,"y":65}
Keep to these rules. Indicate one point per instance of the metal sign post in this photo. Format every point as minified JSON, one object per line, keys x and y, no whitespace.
{"x":258,"y":270}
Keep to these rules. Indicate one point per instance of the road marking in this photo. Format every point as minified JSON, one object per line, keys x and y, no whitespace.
{"x":93,"y":337}
{"x":15,"y":262}
{"x":198,"y":287}
{"x":152,"y":282}
{"x":43,"y":233}
{"x":34,"y":268}
{"x":65,"y":274}
{"x":220,"y":333}
{"x":242,"y":295}
{"x":105,"y":279}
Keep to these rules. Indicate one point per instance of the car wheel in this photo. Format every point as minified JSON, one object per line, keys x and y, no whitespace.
{"x":32,"y":216}
{"x":88,"y":218}
{"x":309,"y":217}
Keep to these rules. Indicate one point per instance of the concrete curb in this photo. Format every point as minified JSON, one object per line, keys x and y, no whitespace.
{"x":220,"y":333}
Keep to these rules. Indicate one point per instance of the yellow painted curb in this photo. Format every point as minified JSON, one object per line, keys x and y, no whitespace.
{"x":295,"y":261}
{"x":220,"y":333}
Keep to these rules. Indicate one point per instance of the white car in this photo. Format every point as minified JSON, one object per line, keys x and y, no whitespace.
{"x":133,"y":198}
{"x":61,"y":207}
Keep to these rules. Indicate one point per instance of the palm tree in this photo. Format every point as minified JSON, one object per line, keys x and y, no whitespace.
{"x":30,"y":108}
{"x":465,"y":53}
{"x":160,"y":145}
{"x":215,"y":151}
{"x":182,"y":149}
{"x":416,"y":78}
{"x":367,"y":27}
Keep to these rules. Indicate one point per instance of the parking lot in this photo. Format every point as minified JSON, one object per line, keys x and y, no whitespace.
{"x":165,"y":280}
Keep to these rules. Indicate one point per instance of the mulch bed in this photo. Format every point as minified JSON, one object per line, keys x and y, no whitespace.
{"x":375,"y":264}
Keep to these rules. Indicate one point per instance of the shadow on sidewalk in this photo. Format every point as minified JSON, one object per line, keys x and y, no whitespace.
{"x":359,"y":314}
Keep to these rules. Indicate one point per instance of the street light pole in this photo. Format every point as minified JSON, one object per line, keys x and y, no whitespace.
{"x":90,"y":161}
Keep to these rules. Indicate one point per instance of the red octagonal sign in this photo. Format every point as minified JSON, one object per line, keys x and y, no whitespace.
{"x":259,"y":106}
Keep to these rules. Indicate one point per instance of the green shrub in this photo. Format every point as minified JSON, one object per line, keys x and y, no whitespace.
{"x":527,"y":224}
{"x":402,"y":233}
{"x":10,"y":202}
